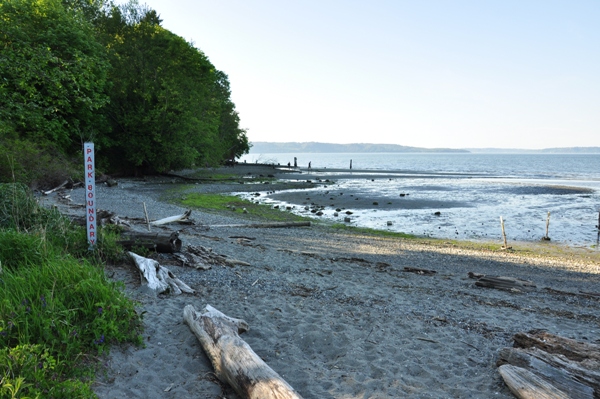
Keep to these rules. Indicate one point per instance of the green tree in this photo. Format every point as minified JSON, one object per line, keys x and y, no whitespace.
{"x":161,"y":112}
{"x":233,"y":140}
{"x":53,"y":74}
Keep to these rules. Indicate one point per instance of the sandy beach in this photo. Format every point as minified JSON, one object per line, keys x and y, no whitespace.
{"x":336,"y":314}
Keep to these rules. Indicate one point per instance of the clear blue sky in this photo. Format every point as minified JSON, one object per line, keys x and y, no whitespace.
{"x":457,"y":74}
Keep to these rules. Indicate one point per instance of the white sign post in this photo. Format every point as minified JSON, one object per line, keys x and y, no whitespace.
{"x":90,"y":193}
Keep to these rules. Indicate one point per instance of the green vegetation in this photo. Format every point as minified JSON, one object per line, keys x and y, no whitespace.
{"x":231,"y":203}
{"x":57,"y":308}
{"x":74,"y":71}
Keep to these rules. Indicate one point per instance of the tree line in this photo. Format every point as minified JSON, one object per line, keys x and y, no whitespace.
{"x":90,"y":70}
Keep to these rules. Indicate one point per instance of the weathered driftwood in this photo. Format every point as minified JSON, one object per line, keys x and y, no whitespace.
{"x":207,"y":256}
{"x":505,"y":283}
{"x":171,"y":219}
{"x":267,"y":225}
{"x":56,"y":188}
{"x":104,"y":217}
{"x":157,"y":277}
{"x":192,"y":260}
{"x":420,"y":271}
{"x":569,"y":293}
{"x":526,"y":385}
{"x":542,"y":364}
{"x":561,"y":373}
{"x":570,"y":348}
{"x":159,"y":242}
{"x":234,"y":361}
{"x":146,"y":216}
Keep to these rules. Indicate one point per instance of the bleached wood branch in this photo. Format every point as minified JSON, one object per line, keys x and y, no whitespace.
{"x":55,"y":188}
{"x":157,"y":277}
{"x":171,"y":219}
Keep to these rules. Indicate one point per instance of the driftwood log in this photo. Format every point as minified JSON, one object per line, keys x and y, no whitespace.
{"x":527,"y":385}
{"x":502,"y":283}
{"x":157,"y":277}
{"x":234,"y":361}
{"x":56,"y":188}
{"x":172,"y":219}
{"x":104,"y":217}
{"x":274,"y":225}
{"x":159,"y":242}
{"x":543,"y":365}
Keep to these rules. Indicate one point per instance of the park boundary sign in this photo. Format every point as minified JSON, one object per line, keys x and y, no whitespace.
{"x":90,"y":193}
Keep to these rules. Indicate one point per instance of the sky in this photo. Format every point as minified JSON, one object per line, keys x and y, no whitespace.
{"x":422,"y":73}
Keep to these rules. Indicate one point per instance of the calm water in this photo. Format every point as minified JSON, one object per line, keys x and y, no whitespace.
{"x":471,"y":192}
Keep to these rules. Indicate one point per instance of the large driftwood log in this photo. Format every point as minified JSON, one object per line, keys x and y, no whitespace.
{"x":233,"y":359}
{"x":159,"y":242}
{"x":540,"y":359}
{"x":572,"y":349}
{"x":564,"y":375}
{"x":526,"y":385}
{"x":157,"y":277}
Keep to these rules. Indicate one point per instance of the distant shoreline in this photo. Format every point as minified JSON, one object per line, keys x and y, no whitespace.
{"x":264,"y":147}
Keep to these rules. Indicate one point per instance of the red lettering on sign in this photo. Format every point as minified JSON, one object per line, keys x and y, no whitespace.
{"x":92,"y":234}
{"x":90,"y":203}
{"x":89,"y":159}
{"x":91,"y":218}
{"x":90,"y":195}
{"x":91,"y":211}
{"x":90,"y":175}
{"x":92,"y":227}
{"x":90,"y":187}
{"x":90,"y":167}
{"x":88,"y":150}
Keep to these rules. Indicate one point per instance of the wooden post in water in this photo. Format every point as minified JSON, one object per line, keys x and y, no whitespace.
{"x":503,"y":233}
{"x":598,"y":239}
{"x":546,"y":237}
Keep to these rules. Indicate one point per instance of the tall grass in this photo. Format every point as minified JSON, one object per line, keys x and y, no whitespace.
{"x":57,"y":308}
{"x":231,"y":203}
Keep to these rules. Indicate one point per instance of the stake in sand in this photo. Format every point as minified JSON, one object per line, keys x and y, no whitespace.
{"x":546,"y":237}
{"x":503,"y":233}
{"x":90,"y":193}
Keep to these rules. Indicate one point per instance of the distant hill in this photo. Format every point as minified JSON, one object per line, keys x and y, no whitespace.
{"x":558,"y":150}
{"x":263,"y":147}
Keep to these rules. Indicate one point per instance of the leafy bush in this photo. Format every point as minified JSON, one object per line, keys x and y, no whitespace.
{"x":65,"y":304}
{"x":20,"y":211}
{"x":29,"y":369}
{"x":56,"y":304}
{"x":33,"y":164}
